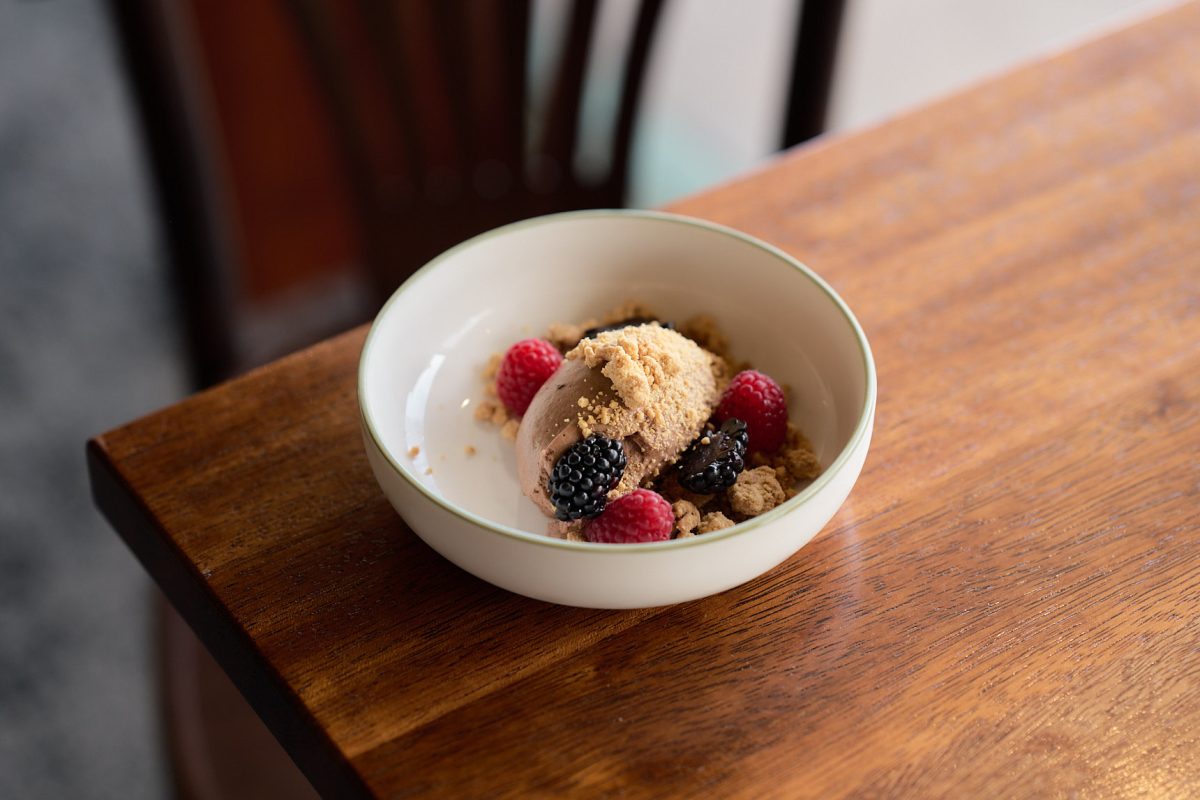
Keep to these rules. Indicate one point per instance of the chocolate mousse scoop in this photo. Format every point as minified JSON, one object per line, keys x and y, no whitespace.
{"x":646,"y":386}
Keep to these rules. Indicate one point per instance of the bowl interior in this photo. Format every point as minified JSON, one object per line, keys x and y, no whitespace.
{"x":421,"y":369}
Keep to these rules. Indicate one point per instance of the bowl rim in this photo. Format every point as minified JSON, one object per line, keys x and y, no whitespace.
{"x":862,"y":428}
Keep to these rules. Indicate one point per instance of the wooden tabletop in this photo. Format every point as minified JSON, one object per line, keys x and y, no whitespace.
{"x":1007,"y":605}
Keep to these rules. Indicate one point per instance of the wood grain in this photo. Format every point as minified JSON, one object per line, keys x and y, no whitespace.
{"x":1006,"y":606}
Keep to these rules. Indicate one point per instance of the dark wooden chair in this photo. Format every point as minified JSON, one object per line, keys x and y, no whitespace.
{"x":307,"y":156}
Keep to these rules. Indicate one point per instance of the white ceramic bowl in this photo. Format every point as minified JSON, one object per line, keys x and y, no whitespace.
{"x":419,"y":380}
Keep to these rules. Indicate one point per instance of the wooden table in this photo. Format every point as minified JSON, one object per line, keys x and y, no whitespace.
{"x":1006,"y":606}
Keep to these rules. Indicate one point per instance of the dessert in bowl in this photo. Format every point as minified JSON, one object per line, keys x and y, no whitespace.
{"x":456,"y":482}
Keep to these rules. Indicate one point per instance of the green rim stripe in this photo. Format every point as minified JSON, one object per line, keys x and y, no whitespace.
{"x":544,"y":540}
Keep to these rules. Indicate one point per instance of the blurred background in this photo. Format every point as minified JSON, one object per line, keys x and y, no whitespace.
{"x":187,"y":189}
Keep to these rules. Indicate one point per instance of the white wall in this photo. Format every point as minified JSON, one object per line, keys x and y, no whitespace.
{"x":716,"y":86}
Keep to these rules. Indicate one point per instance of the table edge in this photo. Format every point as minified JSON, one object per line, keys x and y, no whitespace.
{"x":306,"y":742}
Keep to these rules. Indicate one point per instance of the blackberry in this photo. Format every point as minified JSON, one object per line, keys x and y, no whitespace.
{"x":708,"y":468}
{"x":584,"y":475}
{"x":625,"y":323}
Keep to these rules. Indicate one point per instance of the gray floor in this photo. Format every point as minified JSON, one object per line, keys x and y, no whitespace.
{"x":86,"y":342}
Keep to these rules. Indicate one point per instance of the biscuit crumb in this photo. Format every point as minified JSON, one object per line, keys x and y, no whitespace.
{"x":469,"y":449}
{"x":493,"y":366}
{"x":630,"y":309}
{"x":704,"y":331}
{"x":509,"y":430}
{"x":668,"y":486}
{"x":484,"y":411}
{"x":564,"y":335}
{"x":756,"y":492}
{"x":714,"y":521}
{"x":414,"y":451}
{"x":800,"y":464}
{"x":489,"y":411}
{"x":583,"y":402}
{"x":796,"y":462}
{"x":571,"y":530}
{"x":429,"y":470}
{"x":645,"y":363}
{"x":687,"y":517}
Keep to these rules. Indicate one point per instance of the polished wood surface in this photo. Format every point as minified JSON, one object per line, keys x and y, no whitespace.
{"x":1006,"y":605}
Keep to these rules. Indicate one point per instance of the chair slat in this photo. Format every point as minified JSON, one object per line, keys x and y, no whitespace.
{"x":636,"y":60}
{"x":560,"y":134}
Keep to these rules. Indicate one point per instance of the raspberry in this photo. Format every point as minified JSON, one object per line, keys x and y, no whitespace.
{"x":640,"y":516}
{"x":757,"y":399}
{"x":525,"y":367}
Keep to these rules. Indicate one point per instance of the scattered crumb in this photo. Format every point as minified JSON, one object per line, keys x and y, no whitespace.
{"x":687,"y":517}
{"x":469,"y":450}
{"x":668,"y":486}
{"x":583,"y":402}
{"x":800,"y":464}
{"x":756,"y":491}
{"x":414,"y":451}
{"x":794,"y":463}
{"x":429,"y":470}
{"x":627,"y":310}
{"x":715,"y":521}
{"x":488,"y":411}
{"x":571,"y":531}
{"x":509,"y":430}
{"x":492,"y":366}
{"x":704,"y":331}
{"x":705,"y":440}
{"x":740,"y":366}
{"x":564,"y":336}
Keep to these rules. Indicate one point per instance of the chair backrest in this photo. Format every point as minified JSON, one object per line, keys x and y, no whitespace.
{"x":308,"y":155}
{"x":434,"y":117}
